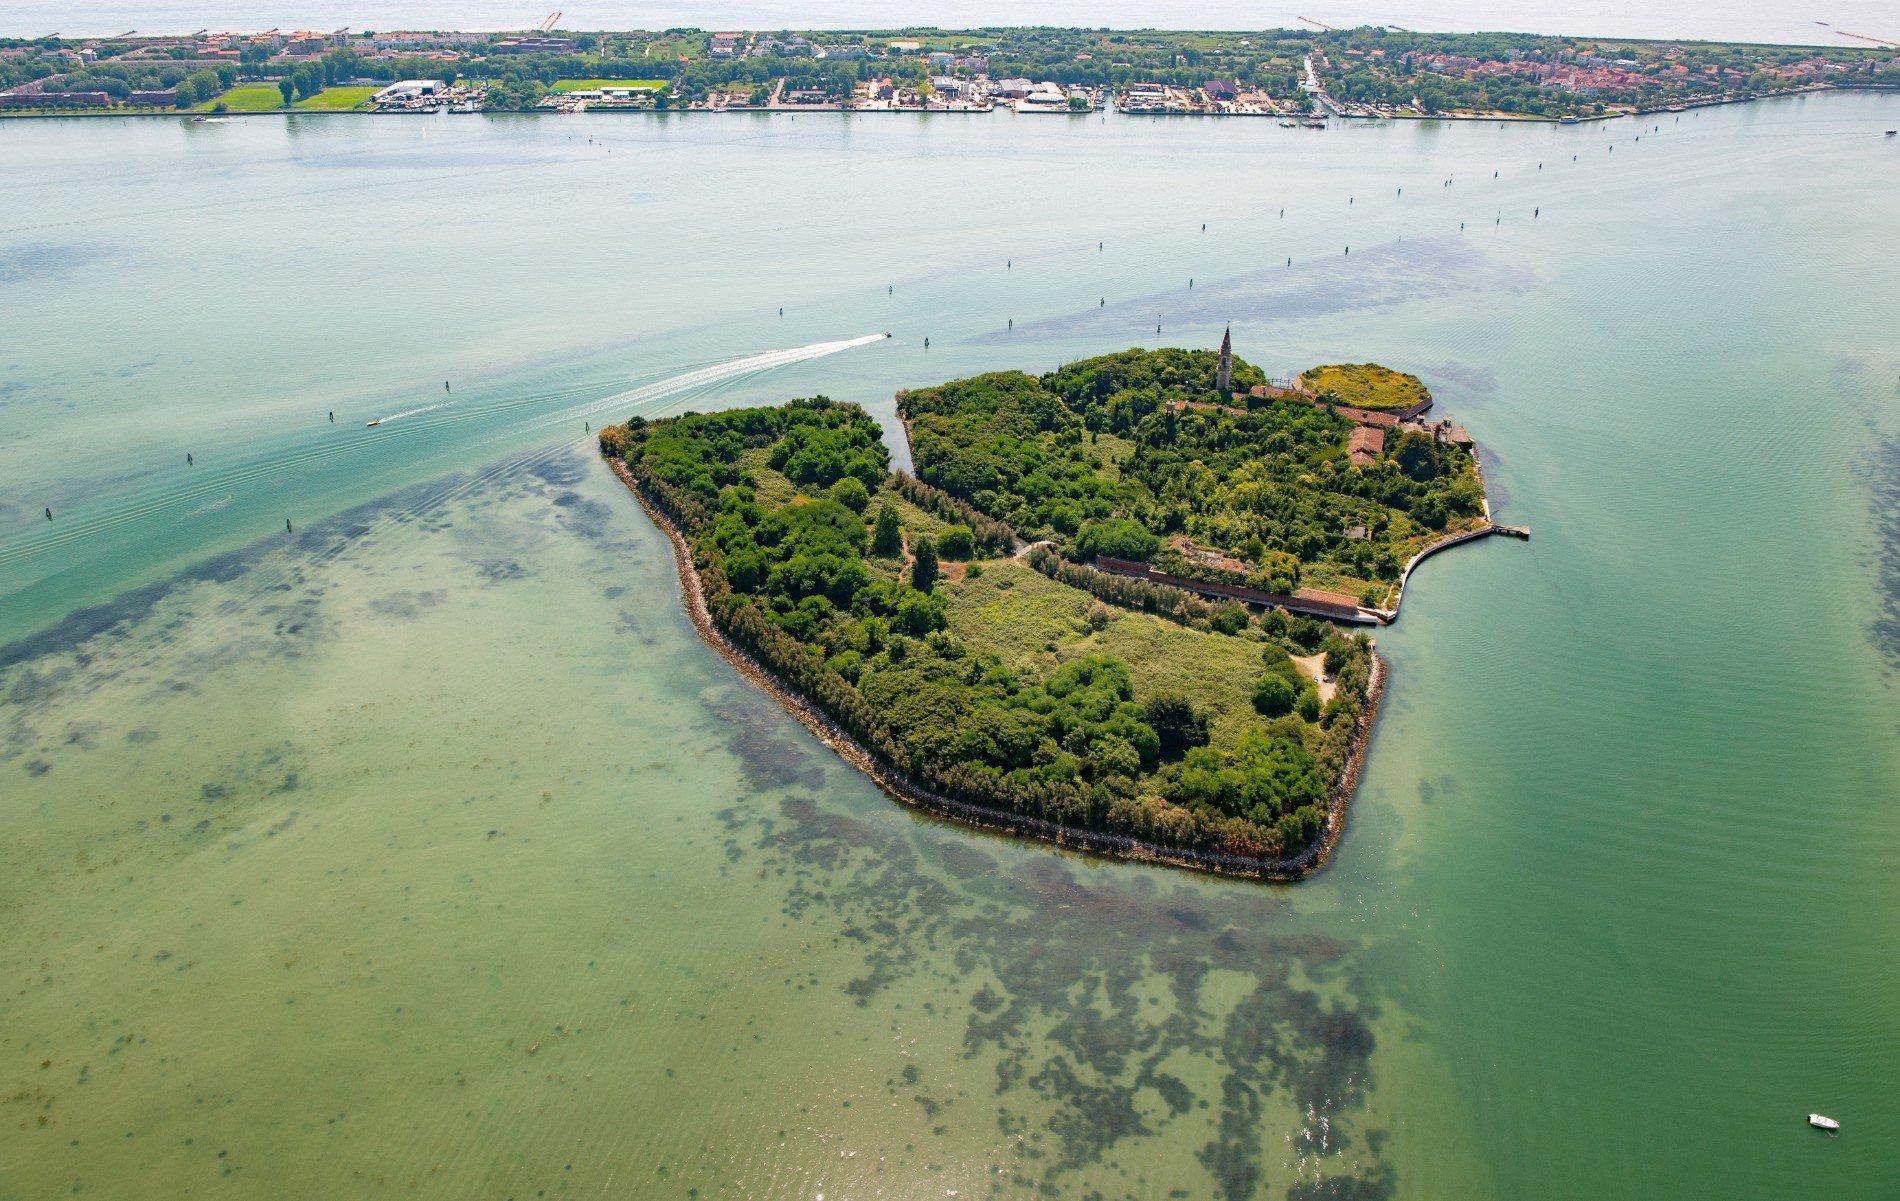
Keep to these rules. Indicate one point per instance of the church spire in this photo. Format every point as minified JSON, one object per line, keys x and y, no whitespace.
{"x":1223,"y":374}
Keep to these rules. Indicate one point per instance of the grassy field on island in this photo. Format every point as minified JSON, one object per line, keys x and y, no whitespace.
{"x":338,"y":100}
{"x":245,"y":98}
{"x":1034,"y":623}
{"x":1367,"y":385}
{"x":588,"y":85}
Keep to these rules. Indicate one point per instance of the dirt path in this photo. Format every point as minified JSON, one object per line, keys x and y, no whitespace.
{"x":1314,"y":666}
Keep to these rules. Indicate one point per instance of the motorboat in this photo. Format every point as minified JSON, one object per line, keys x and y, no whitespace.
{"x":1822,"y":1122}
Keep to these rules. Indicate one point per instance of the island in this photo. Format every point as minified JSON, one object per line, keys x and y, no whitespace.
{"x":1116,"y":606}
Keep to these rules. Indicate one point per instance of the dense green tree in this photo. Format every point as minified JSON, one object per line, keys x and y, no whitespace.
{"x":1273,"y":695}
{"x":851,"y":493}
{"x":1228,"y":619}
{"x":1262,"y":777}
{"x":923,"y":566}
{"x":887,"y":539}
{"x":956,"y":542}
{"x":204,"y":85}
{"x":1308,"y":705}
{"x":1275,"y":571}
{"x":1416,"y":455}
{"x":1118,"y":537}
{"x":1178,"y":725}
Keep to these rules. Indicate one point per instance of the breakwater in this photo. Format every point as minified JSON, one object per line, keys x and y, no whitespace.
{"x":1490,"y":527}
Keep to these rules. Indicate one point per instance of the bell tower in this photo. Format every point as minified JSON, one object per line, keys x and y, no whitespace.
{"x":1223,"y":374}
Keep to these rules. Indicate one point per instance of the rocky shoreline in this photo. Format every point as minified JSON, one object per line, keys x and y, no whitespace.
{"x":900,"y":788}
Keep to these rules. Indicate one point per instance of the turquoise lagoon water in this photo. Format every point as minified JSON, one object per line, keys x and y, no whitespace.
{"x":424,"y":851}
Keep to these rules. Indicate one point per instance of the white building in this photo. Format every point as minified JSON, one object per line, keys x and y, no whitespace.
{"x":1044,"y":98}
{"x":408,"y":89}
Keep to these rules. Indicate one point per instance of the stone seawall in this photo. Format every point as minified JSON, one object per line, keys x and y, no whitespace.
{"x":1391,"y":615}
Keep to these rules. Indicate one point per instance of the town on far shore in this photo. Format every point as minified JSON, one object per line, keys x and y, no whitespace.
{"x":1301,"y":77}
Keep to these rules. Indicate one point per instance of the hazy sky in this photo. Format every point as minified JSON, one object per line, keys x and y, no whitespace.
{"x":1749,"y":20}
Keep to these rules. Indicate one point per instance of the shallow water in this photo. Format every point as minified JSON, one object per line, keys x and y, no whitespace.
{"x":424,"y":850}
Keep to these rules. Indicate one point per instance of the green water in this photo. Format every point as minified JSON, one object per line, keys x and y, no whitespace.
{"x":424,"y":851}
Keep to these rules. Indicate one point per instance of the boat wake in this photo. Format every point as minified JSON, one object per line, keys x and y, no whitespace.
{"x":409,"y":413}
{"x":266,"y":579}
{"x":725,"y":372}
{"x":206,"y":491}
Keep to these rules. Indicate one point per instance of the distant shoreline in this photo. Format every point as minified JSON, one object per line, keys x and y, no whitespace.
{"x":936,"y":23}
{"x":834,"y":110}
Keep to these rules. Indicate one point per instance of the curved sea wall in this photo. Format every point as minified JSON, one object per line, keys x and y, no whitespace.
{"x":901,"y":788}
{"x":1388,"y":616}
{"x":1490,"y":527}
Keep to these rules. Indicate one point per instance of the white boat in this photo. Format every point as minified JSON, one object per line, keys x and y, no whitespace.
{"x":372,"y":424}
{"x":1822,"y":1122}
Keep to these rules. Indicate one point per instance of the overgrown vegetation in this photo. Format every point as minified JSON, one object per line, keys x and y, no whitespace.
{"x":1366,"y":386}
{"x":896,"y":609}
{"x":1136,"y":456}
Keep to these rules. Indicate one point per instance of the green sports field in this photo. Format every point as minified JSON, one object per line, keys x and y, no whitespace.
{"x":246,"y":98}
{"x":337,"y":100}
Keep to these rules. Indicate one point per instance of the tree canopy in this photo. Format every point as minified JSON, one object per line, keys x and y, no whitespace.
{"x":1136,"y":456}
{"x":799,"y":535}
